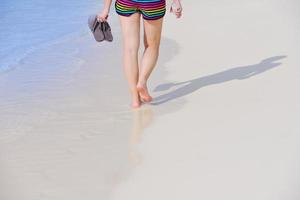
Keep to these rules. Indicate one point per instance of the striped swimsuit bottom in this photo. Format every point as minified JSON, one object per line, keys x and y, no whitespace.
{"x":150,"y":9}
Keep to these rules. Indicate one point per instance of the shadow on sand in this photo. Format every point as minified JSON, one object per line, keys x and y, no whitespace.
{"x":237,"y":73}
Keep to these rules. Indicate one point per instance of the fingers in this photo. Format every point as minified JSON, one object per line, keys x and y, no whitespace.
{"x":99,"y":19}
{"x":178,"y":14}
{"x":178,"y":9}
{"x":102,"y":18}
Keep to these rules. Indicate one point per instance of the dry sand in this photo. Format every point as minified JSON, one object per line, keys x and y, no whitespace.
{"x":224,"y":123}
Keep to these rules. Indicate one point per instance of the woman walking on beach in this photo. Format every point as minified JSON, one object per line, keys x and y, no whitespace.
{"x":130,"y":12}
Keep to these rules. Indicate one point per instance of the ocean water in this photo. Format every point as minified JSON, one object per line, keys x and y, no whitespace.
{"x":26,"y":26}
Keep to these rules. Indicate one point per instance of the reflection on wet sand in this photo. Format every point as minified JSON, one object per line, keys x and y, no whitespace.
{"x":141,"y":119}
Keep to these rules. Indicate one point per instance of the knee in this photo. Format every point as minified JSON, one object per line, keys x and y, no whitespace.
{"x":146,"y":44}
{"x":131,"y":50}
{"x":152,"y":43}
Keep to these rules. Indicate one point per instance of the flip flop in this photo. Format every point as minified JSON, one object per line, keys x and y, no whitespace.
{"x":107,"y":31}
{"x":95,"y":27}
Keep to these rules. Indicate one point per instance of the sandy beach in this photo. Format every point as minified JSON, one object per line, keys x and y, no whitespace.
{"x":224,"y":122}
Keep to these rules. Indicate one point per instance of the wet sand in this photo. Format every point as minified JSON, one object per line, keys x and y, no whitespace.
{"x":223,"y":123}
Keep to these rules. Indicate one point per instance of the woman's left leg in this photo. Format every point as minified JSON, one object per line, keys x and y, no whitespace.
{"x":152,"y":36}
{"x":131,"y":37}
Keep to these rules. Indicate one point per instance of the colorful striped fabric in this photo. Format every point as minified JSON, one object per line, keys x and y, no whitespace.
{"x":150,"y":9}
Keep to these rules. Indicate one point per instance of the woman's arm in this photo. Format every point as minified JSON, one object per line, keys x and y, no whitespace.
{"x":105,"y":11}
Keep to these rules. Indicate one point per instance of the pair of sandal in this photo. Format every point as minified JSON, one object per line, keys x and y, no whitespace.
{"x":100,"y":30}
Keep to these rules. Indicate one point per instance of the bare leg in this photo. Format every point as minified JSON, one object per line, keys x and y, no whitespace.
{"x":152,"y":36}
{"x":131,"y":41}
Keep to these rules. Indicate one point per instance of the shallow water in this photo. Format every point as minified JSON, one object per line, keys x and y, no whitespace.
{"x":28,"y":25}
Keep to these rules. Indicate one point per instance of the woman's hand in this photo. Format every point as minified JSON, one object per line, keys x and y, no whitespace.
{"x":176,"y":8}
{"x":103,"y":15}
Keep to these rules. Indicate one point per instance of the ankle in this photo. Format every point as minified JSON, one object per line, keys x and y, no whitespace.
{"x":142,"y":81}
{"x":134,"y":94}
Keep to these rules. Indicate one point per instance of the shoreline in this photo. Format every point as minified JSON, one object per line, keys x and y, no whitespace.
{"x":38,"y":30}
{"x":65,"y":106}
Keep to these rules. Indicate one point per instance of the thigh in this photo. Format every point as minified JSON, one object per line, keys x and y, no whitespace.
{"x":130,"y":26}
{"x":152,"y":31}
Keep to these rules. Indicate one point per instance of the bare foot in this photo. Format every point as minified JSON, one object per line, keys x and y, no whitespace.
{"x":136,"y":105}
{"x":136,"y":102}
{"x":143,"y":92}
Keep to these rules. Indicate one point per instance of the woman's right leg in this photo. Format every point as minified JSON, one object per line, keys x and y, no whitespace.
{"x":152,"y":37}
{"x":131,"y":40}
